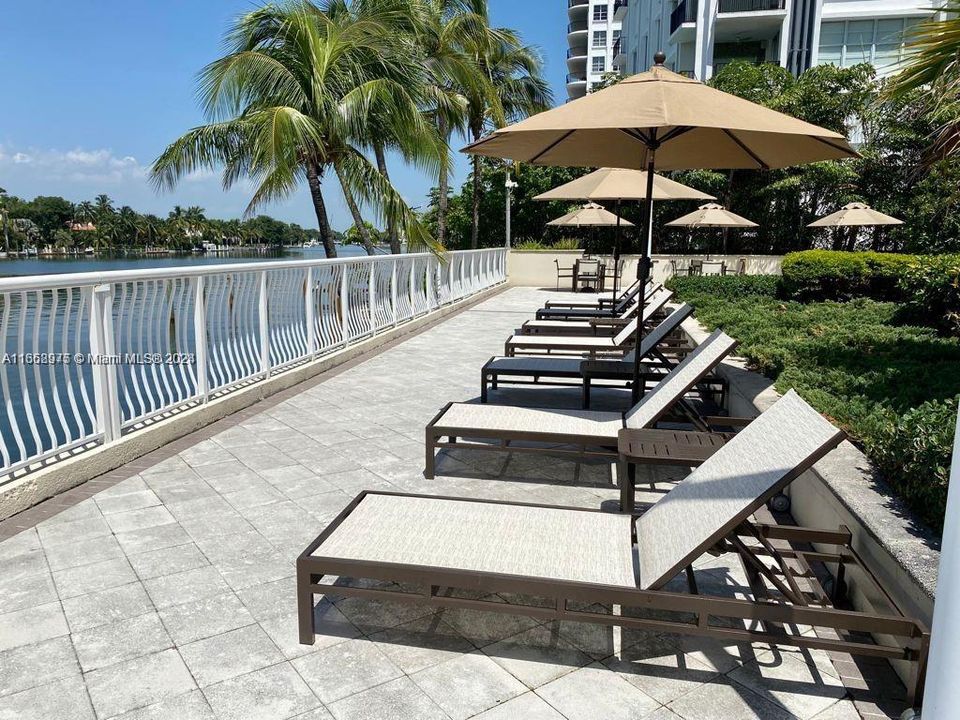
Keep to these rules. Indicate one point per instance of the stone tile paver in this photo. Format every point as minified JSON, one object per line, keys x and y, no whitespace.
{"x":174,"y":588}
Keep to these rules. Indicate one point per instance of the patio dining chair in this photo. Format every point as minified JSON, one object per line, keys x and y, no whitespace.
{"x":563,"y":273}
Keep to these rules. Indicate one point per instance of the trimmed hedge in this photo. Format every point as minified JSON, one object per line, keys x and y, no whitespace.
{"x":814,"y":275}
{"x":931,"y":287}
{"x":725,"y":286}
{"x":892,"y":386}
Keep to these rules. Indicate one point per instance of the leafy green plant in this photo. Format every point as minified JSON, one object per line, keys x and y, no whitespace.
{"x":725,"y":286}
{"x":893,"y":387}
{"x":835,"y":275}
{"x":530,"y":245}
{"x":932,"y":288}
{"x":566,"y":244}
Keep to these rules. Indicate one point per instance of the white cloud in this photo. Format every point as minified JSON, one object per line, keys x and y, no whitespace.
{"x":79,"y":165}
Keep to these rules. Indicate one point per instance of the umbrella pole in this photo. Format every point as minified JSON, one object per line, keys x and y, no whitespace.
{"x":643,"y":270}
{"x":616,"y":257}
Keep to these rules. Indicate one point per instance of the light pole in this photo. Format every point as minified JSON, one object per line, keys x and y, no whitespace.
{"x":509,"y":185}
{"x":4,"y":216}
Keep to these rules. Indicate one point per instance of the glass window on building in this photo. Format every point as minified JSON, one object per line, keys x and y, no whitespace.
{"x":600,"y":13}
{"x":598,"y":63}
{"x":880,"y":42}
{"x":599,"y":38}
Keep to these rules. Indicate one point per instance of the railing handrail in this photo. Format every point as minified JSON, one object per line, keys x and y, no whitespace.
{"x":96,"y":355}
{"x":86,"y":279}
{"x":735,"y":6}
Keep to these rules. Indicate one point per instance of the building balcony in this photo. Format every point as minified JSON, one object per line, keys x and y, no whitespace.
{"x":737,"y":20}
{"x":576,"y":79}
{"x":577,"y":59}
{"x":620,"y":8}
{"x":577,"y":9}
{"x":619,"y":56}
{"x":684,"y":13}
{"x":576,"y":28}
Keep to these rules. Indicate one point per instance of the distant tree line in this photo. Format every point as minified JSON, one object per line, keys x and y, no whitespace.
{"x":56,"y":223}
{"x":896,"y":174}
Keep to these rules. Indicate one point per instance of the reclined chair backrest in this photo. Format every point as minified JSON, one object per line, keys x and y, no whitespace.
{"x":678,"y":381}
{"x":718,"y":496}
{"x":666,"y":326}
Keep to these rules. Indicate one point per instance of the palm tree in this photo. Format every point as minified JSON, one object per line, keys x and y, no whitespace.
{"x":84,"y":212}
{"x":447,"y":29}
{"x":103,"y":205}
{"x":5,"y":220}
{"x":934,"y":67}
{"x":291,"y":100}
{"x":515,"y":88}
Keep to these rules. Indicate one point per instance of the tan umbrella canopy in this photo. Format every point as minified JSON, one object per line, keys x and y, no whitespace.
{"x":659,"y":120}
{"x":622,"y":184}
{"x":712,"y":215}
{"x":590,"y":215}
{"x":855,"y":214}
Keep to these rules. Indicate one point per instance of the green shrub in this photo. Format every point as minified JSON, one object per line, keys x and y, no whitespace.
{"x":931,"y":286}
{"x":566,"y":244}
{"x":912,"y":451}
{"x":724,"y":286}
{"x":530,"y":245}
{"x":814,"y":275}
{"x":891,"y":386}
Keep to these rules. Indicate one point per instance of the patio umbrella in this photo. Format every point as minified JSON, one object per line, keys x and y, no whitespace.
{"x":590,"y":215}
{"x":715,"y":216}
{"x":661,"y":120}
{"x":619,"y":184}
{"x":854,"y":215}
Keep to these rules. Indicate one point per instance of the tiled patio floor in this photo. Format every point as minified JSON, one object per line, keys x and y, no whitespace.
{"x":171,"y":593}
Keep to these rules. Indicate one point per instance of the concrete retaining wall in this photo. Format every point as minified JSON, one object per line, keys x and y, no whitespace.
{"x":42,"y":481}
{"x":537,"y":268}
{"x":843,"y":489}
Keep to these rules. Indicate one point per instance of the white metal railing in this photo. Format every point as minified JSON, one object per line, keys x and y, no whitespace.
{"x":87,"y":357}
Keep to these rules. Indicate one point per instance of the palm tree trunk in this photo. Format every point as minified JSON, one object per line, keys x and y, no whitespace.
{"x":443,"y":184}
{"x":320,"y":208}
{"x":357,"y":218}
{"x":475,"y":218}
{"x":392,"y":233}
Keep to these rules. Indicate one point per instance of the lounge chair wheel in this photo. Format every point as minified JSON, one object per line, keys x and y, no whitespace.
{"x":830,"y":587}
{"x":780,"y":503}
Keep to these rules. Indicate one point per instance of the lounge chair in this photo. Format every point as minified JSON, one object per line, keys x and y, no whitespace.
{"x":596,"y":300}
{"x":592,"y":433}
{"x":558,"y":371}
{"x":561,"y":563}
{"x":599,"y":325}
{"x":585,"y":312}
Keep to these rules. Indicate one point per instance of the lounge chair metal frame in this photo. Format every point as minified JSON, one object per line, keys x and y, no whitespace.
{"x":786,"y":605}
{"x":556,"y":443}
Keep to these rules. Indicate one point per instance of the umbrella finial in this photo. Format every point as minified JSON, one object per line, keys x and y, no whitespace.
{"x":659,"y":58}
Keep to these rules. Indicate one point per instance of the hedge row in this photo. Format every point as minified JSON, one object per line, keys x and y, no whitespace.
{"x":892,"y":385}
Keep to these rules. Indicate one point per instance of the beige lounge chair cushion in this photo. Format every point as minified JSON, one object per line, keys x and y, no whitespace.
{"x":549,"y":421}
{"x":694,"y":368}
{"x":725,"y":490}
{"x":547,"y":543}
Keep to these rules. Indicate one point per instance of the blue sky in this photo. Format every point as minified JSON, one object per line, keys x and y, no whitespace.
{"x":93,"y":91}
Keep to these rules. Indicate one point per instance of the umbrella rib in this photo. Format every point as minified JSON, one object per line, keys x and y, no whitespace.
{"x":748,"y":151}
{"x":636,"y":135}
{"x":676,"y":132}
{"x":551,"y":146}
{"x":835,"y":147}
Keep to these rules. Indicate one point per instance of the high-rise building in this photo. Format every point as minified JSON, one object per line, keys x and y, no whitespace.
{"x":701,"y":36}
{"x":592,"y":34}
